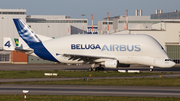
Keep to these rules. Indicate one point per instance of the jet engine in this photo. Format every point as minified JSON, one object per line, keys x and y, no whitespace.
{"x":113,"y":64}
{"x":110,"y":63}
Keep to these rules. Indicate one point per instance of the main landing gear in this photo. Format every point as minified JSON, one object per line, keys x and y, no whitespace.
{"x":93,"y":68}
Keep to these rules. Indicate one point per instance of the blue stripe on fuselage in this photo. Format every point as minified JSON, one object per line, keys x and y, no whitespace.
{"x":42,"y":52}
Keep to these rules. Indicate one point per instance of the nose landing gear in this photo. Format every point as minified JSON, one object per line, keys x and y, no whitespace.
{"x":151,"y":68}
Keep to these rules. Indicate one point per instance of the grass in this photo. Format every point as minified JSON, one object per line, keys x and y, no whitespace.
{"x":175,"y":82}
{"x":82,"y":98}
{"x":40,"y":74}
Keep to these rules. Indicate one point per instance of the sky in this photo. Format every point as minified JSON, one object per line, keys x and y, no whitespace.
{"x":99,"y":8}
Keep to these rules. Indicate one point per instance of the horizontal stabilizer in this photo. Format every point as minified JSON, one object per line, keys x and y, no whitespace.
{"x":27,"y":51}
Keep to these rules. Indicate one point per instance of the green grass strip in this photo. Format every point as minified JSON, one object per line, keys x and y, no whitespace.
{"x":175,"y":82}
{"x":40,"y":74}
{"x":82,"y":98}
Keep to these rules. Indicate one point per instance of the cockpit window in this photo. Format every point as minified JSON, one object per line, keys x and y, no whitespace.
{"x":167,"y":59}
{"x":162,"y":48}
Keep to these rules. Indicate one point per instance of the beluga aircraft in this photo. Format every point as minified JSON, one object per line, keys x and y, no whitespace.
{"x":107,"y":51}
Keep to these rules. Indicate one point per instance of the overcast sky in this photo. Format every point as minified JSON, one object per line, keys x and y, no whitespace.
{"x":99,"y":8}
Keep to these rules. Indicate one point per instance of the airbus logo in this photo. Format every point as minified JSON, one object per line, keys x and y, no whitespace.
{"x":116,"y":47}
{"x":111,"y":47}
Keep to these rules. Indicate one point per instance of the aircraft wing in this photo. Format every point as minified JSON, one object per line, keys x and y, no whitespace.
{"x":85,"y":58}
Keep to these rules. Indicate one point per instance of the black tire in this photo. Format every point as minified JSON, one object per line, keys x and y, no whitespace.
{"x":94,"y":69}
{"x":98,"y":68}
{"x":90,"y":69}
{"x":101,"y":68}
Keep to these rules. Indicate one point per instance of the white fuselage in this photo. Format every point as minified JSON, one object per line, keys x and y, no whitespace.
{"x":127,"y":49}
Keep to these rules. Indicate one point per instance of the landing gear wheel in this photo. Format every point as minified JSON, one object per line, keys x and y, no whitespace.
{"x":151,"y":68}
{"x":98,"y":68}
{"x":94,"y":69}
{"x":102,"y":68}
{"x":90,"y":69}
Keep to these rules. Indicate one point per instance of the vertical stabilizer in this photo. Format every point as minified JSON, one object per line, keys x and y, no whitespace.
{"x":33,"y":41}
{"x":25,"y":32}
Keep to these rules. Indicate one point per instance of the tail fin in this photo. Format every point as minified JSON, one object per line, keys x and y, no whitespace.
{"x":25,"y":32}
{"x":33,"y":41}
{"x":7,"y":44}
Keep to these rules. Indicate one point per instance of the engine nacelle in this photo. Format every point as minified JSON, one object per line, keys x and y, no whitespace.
{"x":111,"y":63}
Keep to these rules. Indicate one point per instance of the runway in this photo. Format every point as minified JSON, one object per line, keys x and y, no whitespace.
{"x":52,"y":67}
{"x":92,"y":90}
{"x":77,"y":78}
{"x":87,"y":89}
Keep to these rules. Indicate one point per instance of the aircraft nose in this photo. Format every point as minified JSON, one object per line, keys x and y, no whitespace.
{"x":173,"y":63}
{"x":170,"y":64}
